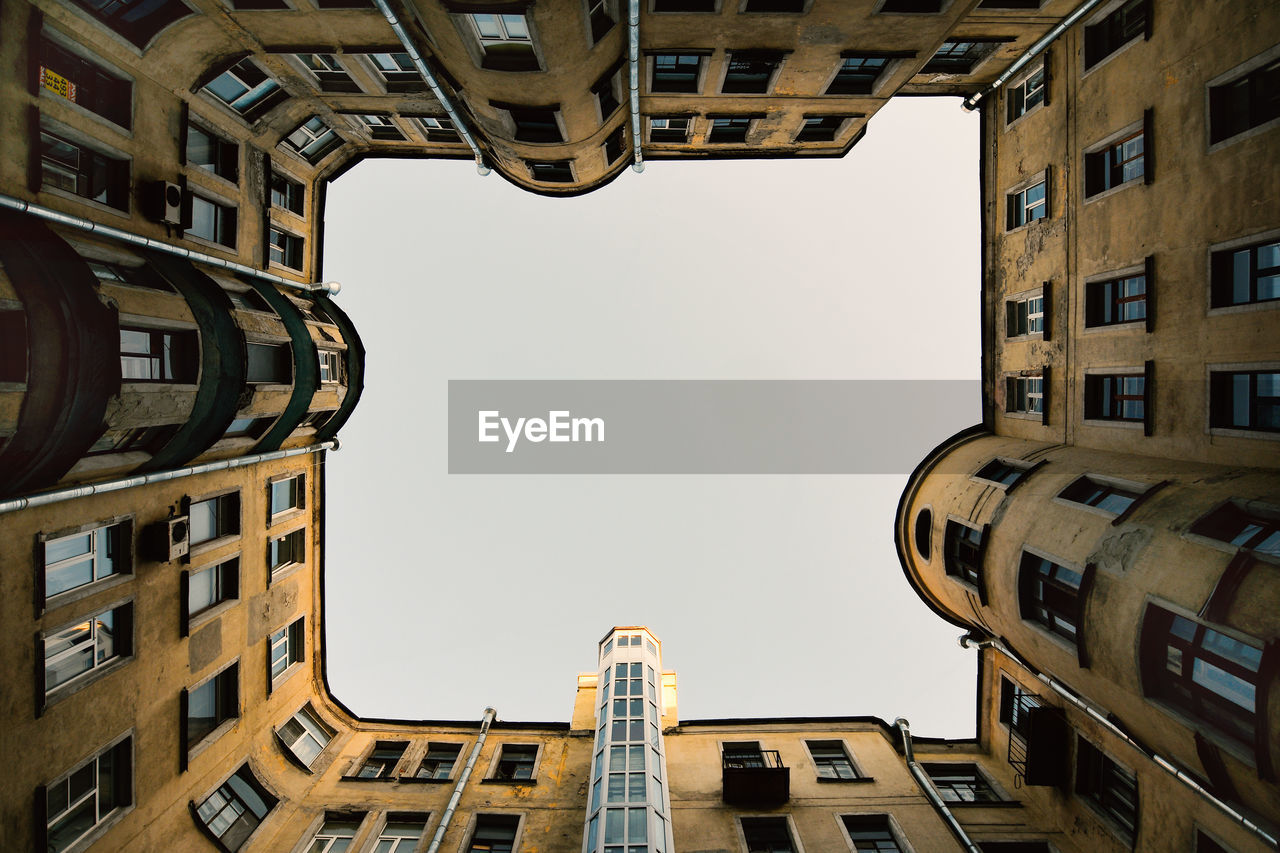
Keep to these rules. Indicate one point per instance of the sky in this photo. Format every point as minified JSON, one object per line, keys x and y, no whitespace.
{"x":775,"y":595}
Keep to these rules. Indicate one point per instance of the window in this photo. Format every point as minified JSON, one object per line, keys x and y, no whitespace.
{"x":83,"y":82}
{"x":286,"y":193}
{"x":599,"y":18}
{"x":961,"y":783}
{"x":1246,"y":275}
{"x":1118,"y":163}
{"x":287,"y":494}
{"x":248,"y":427}
{"x":286,"y":648}
{"x":330,"y":365}
{"x":551,"y":171}
{"x":1250,"y":100}
{"x":505,"y":41}
{"x":269,"y":363}
{"x":1115,"y":397}
{"x":924,"y":532}
{"x":1024,"y":395}
{"x":287,"y":550}
{"x":606,"y":94}
{"x":285,"y":248}
{"x":88,"y":796}
{"x":1104,"y":495}
{"x":1114,"y":31}
{"x":215,"y":518}
{"x":962,"y":546}
{"x":496,"y":833}
{"x":1049,"y":595}
{"x":80,"y":559}
{"x":767,"y":835}
{"x":211,"y":704}
{"x":138,"y":22}
{"x":90,"y":644}
{"x":1242,"y":526}
{"x":857,"y":75}
{"x":151,"y":355}
{"x":1026,"y":95}
{"x":439,"y":129}
{"x":313,"y":139}
{"x":789,"y":6}
{"x":669,"y":129}
{"x":118,"y":274}
{"x":1202,"y":671}
{"x":1006,"y":472}
{"x":1109,"y":787}
{"x":249,"y":299}
{"x":328,"y":72}
{"x":870,"y":833}
{"x":1015,"y":703}
{"x":1024,"y":316}
{"x":676,"y":72}
{"x":211,"y":586}
{"x":516,"y":761}
{"x":831,"y":759}
{"x":729,"y":129}
{"x":400,"y":835}
{"x":213,"y":153}
{"x":80,"y":170}
{"x":142,"y":439}
{"x":246,"y":88}
{"x":615,"y":145}
{"x":750,"y":71}
{"x":439,"y":761}
{"x":397,"y":71}
{"x":820,"y":128}
{"x":959,"y":56}
{"x":1115,"y":301}
{"x":535,"y":124}
{"x":305,"y":735}
{"x":381,"y":763}
{"x":684,"y":5}
{"x":1028,"y":204}
{"x":380,"y":126}
{"x":234,"y":810}
{"x":212,"y":221}
{"x":336,"y":834}
{"x":918,"y":7}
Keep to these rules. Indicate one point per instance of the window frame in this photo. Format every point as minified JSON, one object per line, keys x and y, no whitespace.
{"x":319,"y":143}
{"x":227,"y":709}
{"x":299,"y":498}
{"x":225,"y":219}
{"x":498,"y":759}
{"x":735,"y":122}
{"x":785,"y":822}
{"x":1014,"y":313}
{"x":1043,"y":598}
{"x":125,"y":557}
{"x":292,"y":636}
{"x":226,"y":590}
{"x":1022,"y":86}
{"x":473,"y":826}
{"x":1257,"y":514}
{"x":262,"y":96}
{"x":111,"y":76}
{"x":285,"y":552}
{"x":122,"y":650}
{"x":964,"y":768}
{"x":121,"y":747}
{"x":503,"y":51}
{"x":891,"y":827}
{"x":173,"y":352}
{"x":846,"y":753}
{"x":1096,"y":287}
{"x":287,"y":195}
{"x":226,"y":153}
{"x":280,"y":349}
{"x":434,"y":774}
{"x":254,"y":783}
{"x":116,"y":192}
{"x":747,"y":82}
{"x":225,"y":531}
{"x":669,"y":86}
{"x":1016,"y":201}
{"x":857,"y":82}
{"x":385,"y":772}
{"x":1095,"y":791}
{"x":969,"y":575}
{"x":307,"y":710}
{"x":986,"y":47}
{"x":1022,"y":467}
{"x":1013,"y":396}
{"x":289,"y":247}
{"x":1107,"y":391}
{"x":1101,"y":162}
{"x":1108,"y":487}
{"x":1104,"y":18}
{"x":1231,"y":77}
{"x":1220,"y":265}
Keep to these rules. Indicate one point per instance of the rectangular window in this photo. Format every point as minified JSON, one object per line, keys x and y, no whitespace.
{"x":1026,"y":95}
{"x":831,"y":759}
{"x":212,"y":704}
{"x":380,"y":126}
{"x":1115,"y":397}
{"x":88,"y":796}
{"x":80,"y":559}
{"x":397,"y":71}
{"x":729,"y":129}
{"x":285,"y":248}
{"x":271,"y":364}
{"x":857,"y":75}
{"x":1115,"y":301}
{"x":92,"y":643}
{"x":330,"y":365}
{"x":959,"y":56}
{"x":551,"y":171}
{"x":1112,"y":789}
{"x":246,"y":88}
{"x":494,"y":833}
{"x":1246,"y":275}
{"x":750,"y":72}
{"x":287,"y":494}
{"x":286,"y":193}
{"x":615,"y":145}
{"x":287,"y":550}
{"x":1242,"y":526}
{"x":1049,"y":595}
{"x":1114,"y":31}
{"x":328,"y":72}
{"x":516,"y":761}
{"x":1104,"y":495}
{"x":438,"y":129}
{"x":234,"y":811}
{"x":286,"y":648}
{"x":534,"y":124}
{"x":505,"y":41}
{"x":80,"y":170}
{"x":305,"y":735}
{"x":767,"y":835}
{"x":215,"y":518}
{"x":151,"y":355}
{"x":211,"y":152}
{"x":676,"y":72}
{"x":381,"y":763}
{"x":1118,"y":163}
{"x":820,"y":128}
{"x":606,"y":94}
{"x":439,"y":761}
{"x":1024,"y":395}
{"x":1250,"y":100}
{"x":1024,"y":316}
{"x":870,"y":833}
{"x":400,"y":835}
{"x":312,"y":140}
{"x":212,"y":221}
{"x":962,"y":551}
{"x":669,"y":129}
{"x":142,"y":439}
{"x":210,"y":587}
{"x":1006,"y":472}
{"x":336,"y":834}
{"x":83,"y":82}
{"x":599,"y":19}
{"x":961,"y":783}
{"x":912,"y":7}
{"x":248,"y":427}
{"x":1026,"y":205}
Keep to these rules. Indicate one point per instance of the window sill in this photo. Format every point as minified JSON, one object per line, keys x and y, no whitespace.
{"x":157,"y":385}
{"x":396,"y":779}
{"x":827,"y":780}
{"x":62,"y":599}
{"x":1110,"y":516}
{"x":508,"y":781}
{"x":1244,"y":307}
{"x":219,"y":182}
{"x":1138,"y":39}
{"x":1025,"y":416}
{"x":211,"y":545}
{"x":1139,"y":325}
{"x":208,"y":740}
{"x":1230,"y":432}
{"x":210,"y":613}
{"x":279,"y":574}
{"x":1244,"y":134}
{"x":1009,"y":125}
{"x":80,"y":682}
{"x":95,"y":205}
{"x":417,"y":780}
{"x":1110,"y":191}
{"x":991,"y":804}
{"x":50,"y":98}
{"x":1034,"y":336}
{"x":1024,"y":226}
{"x":285,"y":516}
{"x":285,"y":676}
{"x":1117,"y":424}
{"x":212,"y":244}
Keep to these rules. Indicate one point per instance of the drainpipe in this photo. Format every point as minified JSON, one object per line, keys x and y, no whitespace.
{"x":930,"y":793}
{"x":46,"y":498}
{"x":633,"y":56}
{"x":489,"y":714}
{"x":430,"y":79}
{"x":8,"y":201}
{"x":1032,"y":52}
{"x":972,"y":640}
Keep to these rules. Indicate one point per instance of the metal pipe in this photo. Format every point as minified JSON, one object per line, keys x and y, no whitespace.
{"x":968,"y":640}
{"x":46,"y":498}
{"x":430,"y":79}
{"x":931,"y":793}
{"x":633,"y":56}
{"x":445,"y":818}
{"x":1032,"y":52}
{"x":330,"y":287}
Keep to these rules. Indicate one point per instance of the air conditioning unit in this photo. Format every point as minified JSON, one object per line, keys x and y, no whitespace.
{"x":169,"y":540}
{"x":162,"y":201}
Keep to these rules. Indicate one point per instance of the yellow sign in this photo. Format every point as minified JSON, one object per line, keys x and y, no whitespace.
{"x":56,"y":83}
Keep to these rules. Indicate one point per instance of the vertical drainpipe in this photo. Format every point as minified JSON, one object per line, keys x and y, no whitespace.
{"x":489,"y":714}
{"x":633,"y":56}
{"x":930,"y":793}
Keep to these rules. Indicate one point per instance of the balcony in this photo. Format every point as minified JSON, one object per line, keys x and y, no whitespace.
{"x":754,"y":777}
{"x":1039,"y":739}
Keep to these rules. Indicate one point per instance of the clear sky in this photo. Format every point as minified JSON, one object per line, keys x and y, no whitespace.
{"x":773,"y":595}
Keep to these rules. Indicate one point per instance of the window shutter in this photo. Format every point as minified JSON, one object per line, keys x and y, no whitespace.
{"x":1148,"y":146}
{"x":39,"y":674}
{"x":35,"y":172}
{"x":1048,"y":74}
{"x":1149,"y":264}
{"x":184,"y":604}
{"x":1146,"y":20}
{"x":982,"y":564}
{"x":1148,"y":394}
{"x":184,"y":710}
{"x":1045,"y":378}
{"x":1048,"y":192}
{"x":40,"y":818}
{"x":1082,"y":595}
{"x":1046,"y":303}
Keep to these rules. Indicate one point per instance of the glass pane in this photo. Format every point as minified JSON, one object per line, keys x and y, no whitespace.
{"x":1223,"y":683}
{"x":613,"y":826}
{"x":487,"y":25}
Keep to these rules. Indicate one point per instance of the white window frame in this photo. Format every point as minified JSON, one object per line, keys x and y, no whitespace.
{"x":122,"y":573}
{"x":104,"y":822}
{"x":1023,"y":83}
{"x":848,"y":755}
{"x":1020,"y":190}
{"x":98,"y":668}
{"x":1025,"y":298}
{"x":293,"y":658}
{"x":304,"y":715}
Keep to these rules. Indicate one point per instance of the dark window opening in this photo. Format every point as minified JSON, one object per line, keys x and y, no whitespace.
{"x":1114,"y":31}
{"x":1245,"y":275}
{"x":1116,"y":164}
{"x":13,"y":345}
{"x":668,"y":129}
{"x":961,"y":783}
{"x":918,"y":7}
{"x":615,"y":146}
{"x":750,"y":71}
{"x":729,"y":130}
{"x":1108,"y":786}
{"x":246,"y":88}
{"x":1002,"y":471}
{"x":1115,"y":397}
{"x":676,"y":72}
{"x":684,"y":5}
{"x":606,"y":95}
{"x":1108,"y":497}
{"x":150,"y":355}
{"x":233,"y":812}
{"x":269,"y":363}
{"x":777,"y":6}
{"x":286,"y":193}
{"x":552,"y":171}
{"x":1236,"y":525}
{"x":286,"y":249}
{"x":517,"y":761}
{"x":820,"y":128}
{"x":137,"y":21}
{"x":209,"y":151}
{"x":212,"y":704}
{"x":857,"y":75}
{"x":535,"y":125}
{"x":599,"y":19}
{"x":1244,"y":103}
{"x":962,"y":547}
{"x":1117,"y":300}
{"x":959,"y":56}
{"x":85,"y":83}
{"x":212,"y":221}
{"x":870,"y":833}
{"x":1049,"y":595}
{"x":78,"y":169}
{"x":494,"y":833}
